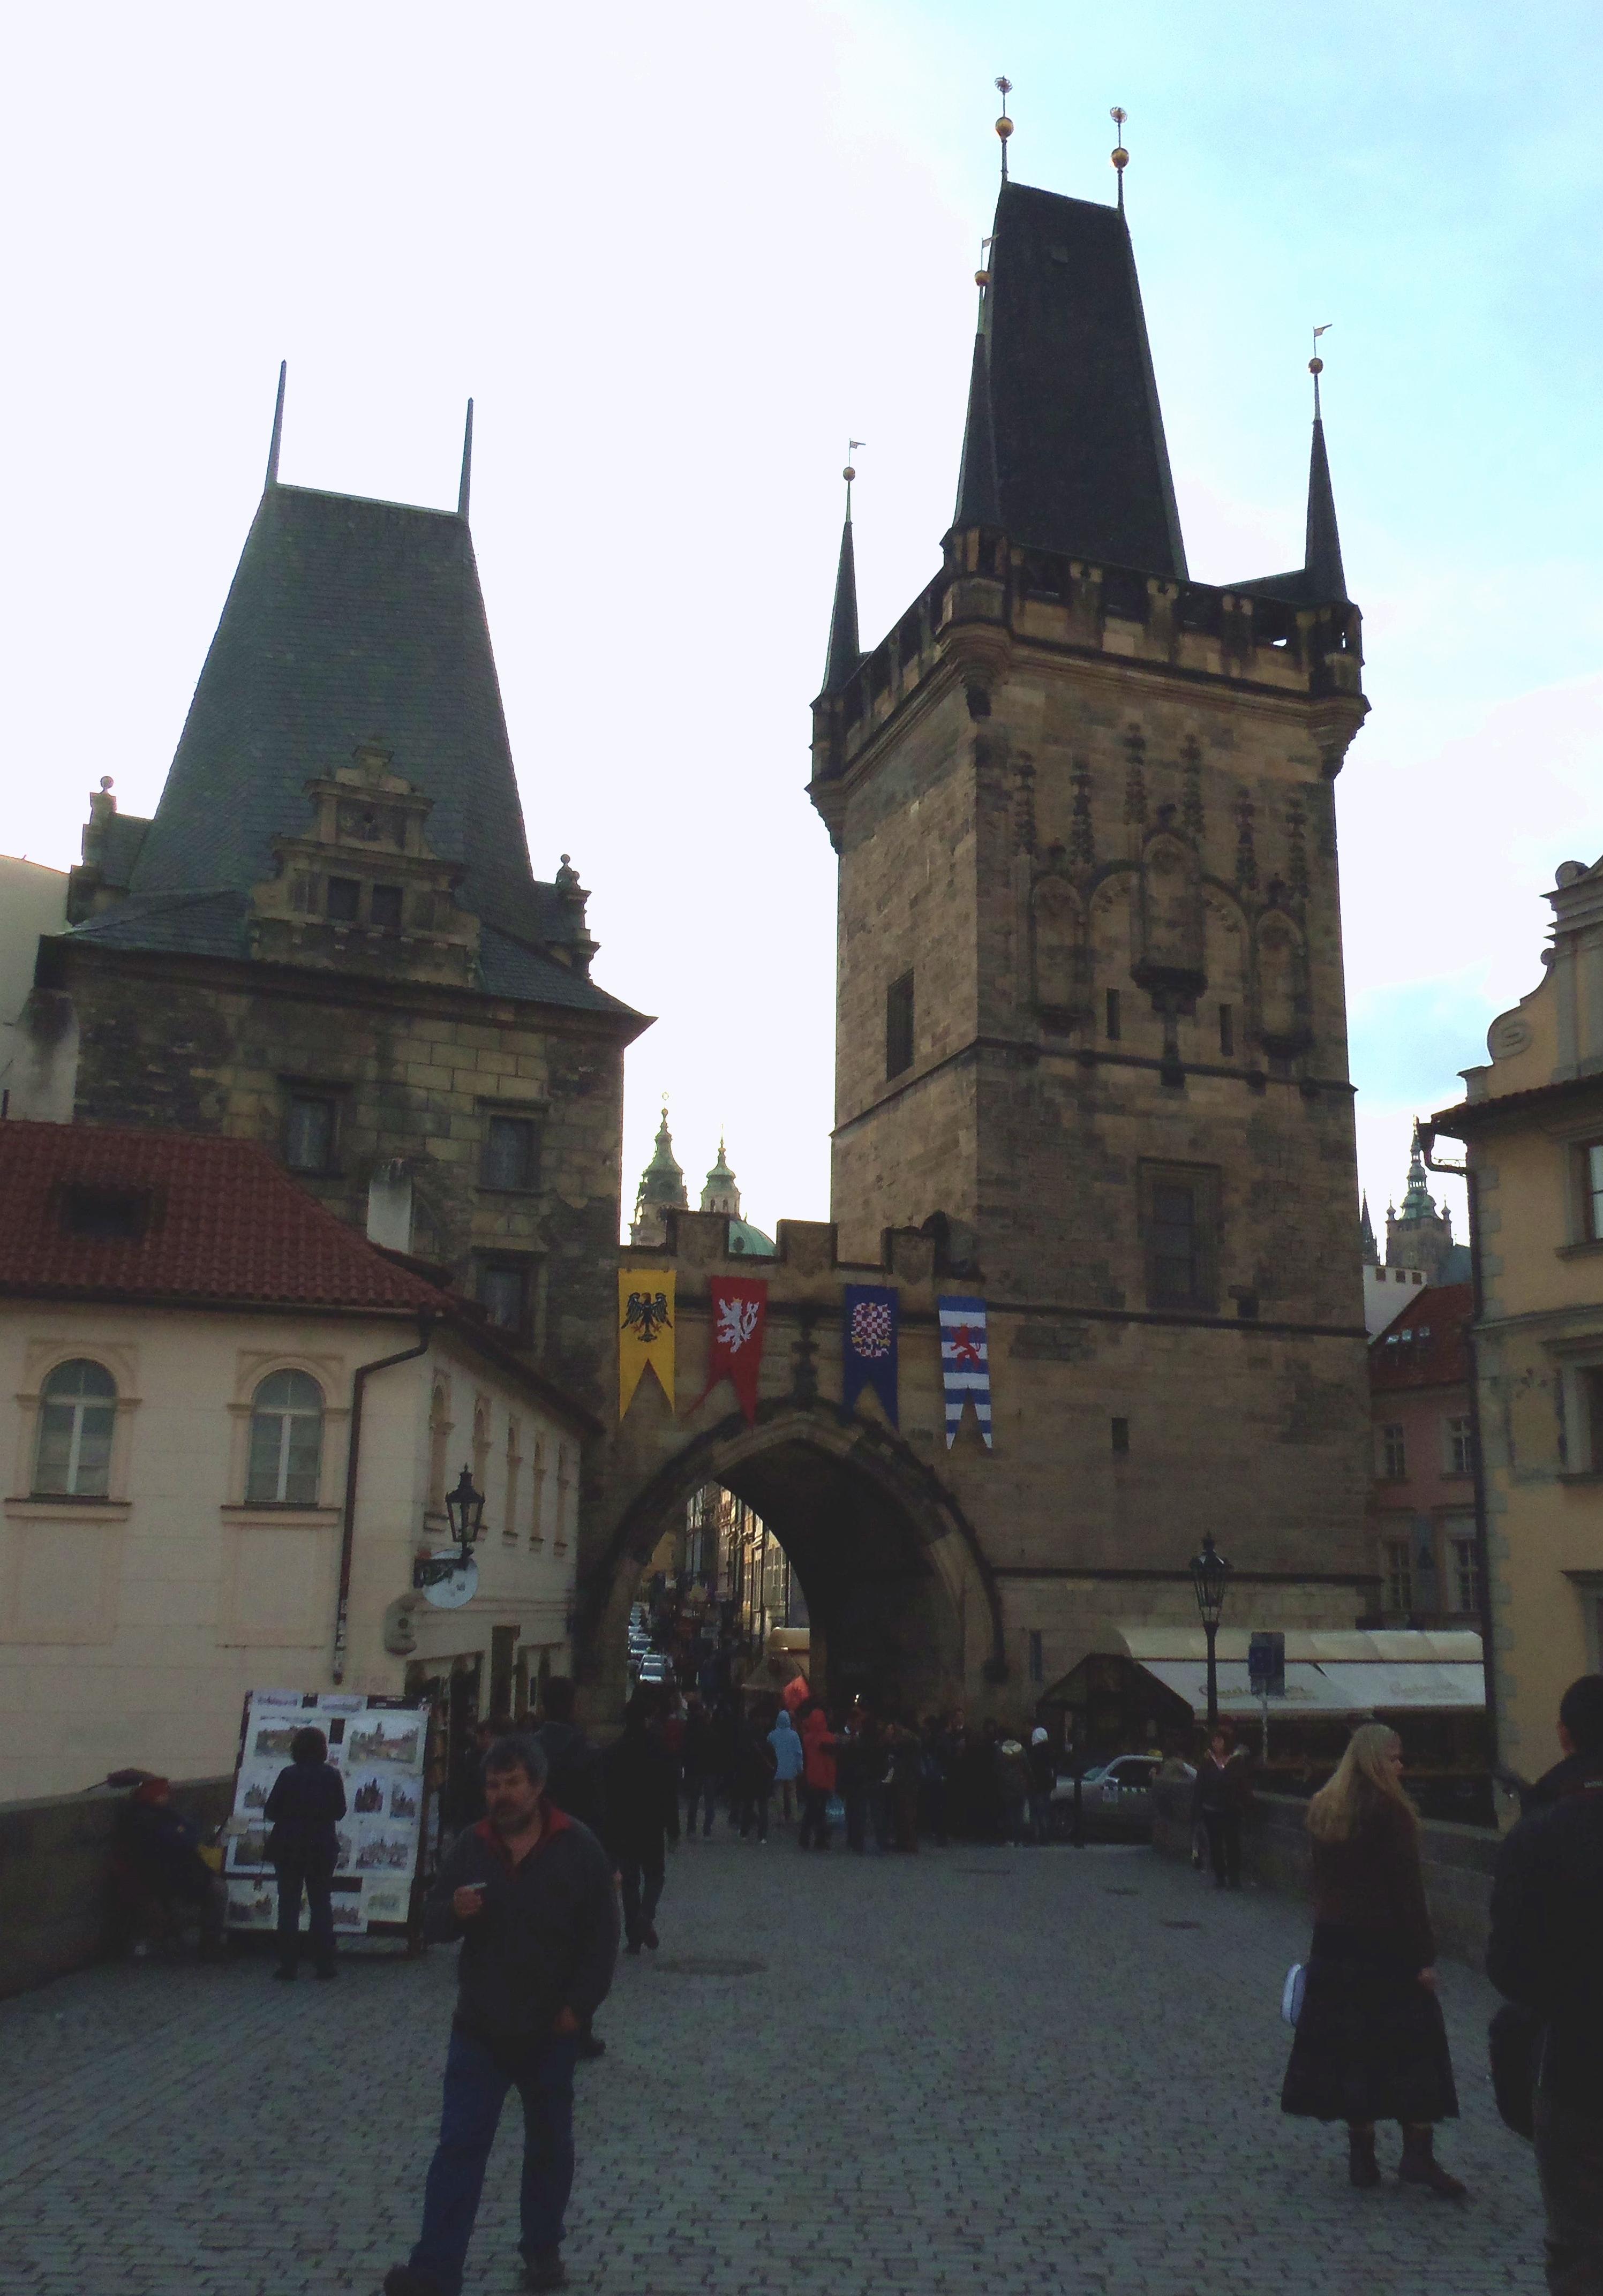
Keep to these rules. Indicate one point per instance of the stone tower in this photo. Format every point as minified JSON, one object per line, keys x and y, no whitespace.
{"x":662,"y":1189}
{"x":1091,"y":1024}
{"x":329,"y":937}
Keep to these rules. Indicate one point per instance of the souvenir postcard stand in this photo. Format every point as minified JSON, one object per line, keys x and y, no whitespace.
{"x":381,"y":1747}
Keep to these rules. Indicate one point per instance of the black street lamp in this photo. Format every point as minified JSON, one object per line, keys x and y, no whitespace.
{"x":1210,"y":1575}
{"x":466,"y":1508}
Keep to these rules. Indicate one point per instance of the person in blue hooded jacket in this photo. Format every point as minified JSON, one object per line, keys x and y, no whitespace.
{"x":787,"y":1763}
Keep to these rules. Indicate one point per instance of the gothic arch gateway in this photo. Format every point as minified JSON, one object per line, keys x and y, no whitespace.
{"x":901,"y":1596}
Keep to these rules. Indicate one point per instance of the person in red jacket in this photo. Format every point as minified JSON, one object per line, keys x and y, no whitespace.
{"x":819,"y":1743}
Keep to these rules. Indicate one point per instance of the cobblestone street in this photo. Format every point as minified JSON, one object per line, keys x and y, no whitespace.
{"x":976,"y":2070}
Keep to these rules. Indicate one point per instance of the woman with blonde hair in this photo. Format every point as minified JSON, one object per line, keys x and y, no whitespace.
{"x":1370,"y":2043}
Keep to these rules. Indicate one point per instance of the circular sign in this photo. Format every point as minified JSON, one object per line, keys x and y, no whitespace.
{"x":450,"y":1581}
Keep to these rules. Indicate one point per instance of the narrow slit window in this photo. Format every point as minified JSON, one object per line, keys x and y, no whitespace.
{"x":899,"y":1026}
{"x":1227,"y":1030}
{"x":1111,"y":1016}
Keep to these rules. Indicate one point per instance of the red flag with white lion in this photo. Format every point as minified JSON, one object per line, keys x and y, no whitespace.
{"x":739,"y":1307}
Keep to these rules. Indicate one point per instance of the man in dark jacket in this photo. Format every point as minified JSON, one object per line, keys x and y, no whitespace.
{"x":160,"y":1871}
{"x":1545,"y":1952}
{"x":641,"y":1805}
{"x":304,"y":1805}
{"x":529,"y":1891}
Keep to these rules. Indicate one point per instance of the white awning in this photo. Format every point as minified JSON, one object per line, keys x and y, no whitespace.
{"x":1306,"y":1687}
{"x":1360,"y":1688}
{"x":1384,"y":1688}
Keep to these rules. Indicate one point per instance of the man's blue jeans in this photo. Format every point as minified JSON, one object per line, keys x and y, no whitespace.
{"x":475,"y":2090}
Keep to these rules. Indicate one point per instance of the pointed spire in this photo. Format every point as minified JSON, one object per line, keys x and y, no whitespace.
{"x":978,"y":503}
{"x":272,"y":476}
{"x":1322,"y":550}
{"x":1365,"y":1229}
{"x":464,"y":489}
{"x":844,"y":653}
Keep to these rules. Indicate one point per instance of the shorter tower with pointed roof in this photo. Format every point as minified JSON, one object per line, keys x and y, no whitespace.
{"x":329,"y":936}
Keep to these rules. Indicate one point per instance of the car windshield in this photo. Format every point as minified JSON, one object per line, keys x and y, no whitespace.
{"x":1096,"y":1770}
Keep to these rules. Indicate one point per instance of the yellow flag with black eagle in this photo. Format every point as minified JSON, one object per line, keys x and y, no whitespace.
{"x":644,"y":1330}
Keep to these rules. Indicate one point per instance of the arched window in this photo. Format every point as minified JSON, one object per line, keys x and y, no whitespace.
{"x":286,"y":1441}
{"x":77,"y":1408}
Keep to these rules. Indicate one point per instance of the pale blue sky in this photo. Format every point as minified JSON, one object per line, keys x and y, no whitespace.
{"x":677,"y":256}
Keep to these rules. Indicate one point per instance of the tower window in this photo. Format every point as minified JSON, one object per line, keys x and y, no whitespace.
{"x":1178,"y":1217}
{"x":1038,"y":1663}
{"x":510,"y":1153}
{"x":1399,"y":1577}
{"x":1121,"y":1433}
{"x":386,"y":906}
{"x":308,"y":1143}
{"x":1393,"y":1455}
{"x":1227,"y":1030}
{"x":344,"y":900}
{"x":899,"y":1026}
{"x":1113,"y":1016}
{"x":1591,"y":1183}
{"x":503,"y":1290}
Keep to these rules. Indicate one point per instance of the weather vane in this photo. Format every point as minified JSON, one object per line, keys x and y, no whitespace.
{"x":1316,"y":364}
{"x":1004,"y":125}
{"x":983,"y":275}
{"x":1120,"y":156}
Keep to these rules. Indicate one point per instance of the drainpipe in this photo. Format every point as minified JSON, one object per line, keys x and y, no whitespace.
{"x":1466,"y":1172}
{"x":348,"y":1530}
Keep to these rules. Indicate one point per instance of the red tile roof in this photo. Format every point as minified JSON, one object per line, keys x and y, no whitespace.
{"x":1425,"y":1346}
{"x":222,"y":1223}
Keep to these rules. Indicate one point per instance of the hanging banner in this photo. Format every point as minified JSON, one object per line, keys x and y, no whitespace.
{"x":645,"y":1329}
{"x":868,"y":1338}
{"x":739,"y":1306}
{"x":965,"y":1363}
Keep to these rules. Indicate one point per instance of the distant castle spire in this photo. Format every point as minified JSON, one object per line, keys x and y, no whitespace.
{"x":277,"y":439}
{"x":1322,"y":547}
{"x":662,"y":1190}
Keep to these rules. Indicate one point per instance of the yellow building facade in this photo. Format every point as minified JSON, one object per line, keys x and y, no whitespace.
{"x":1533,"y":1127}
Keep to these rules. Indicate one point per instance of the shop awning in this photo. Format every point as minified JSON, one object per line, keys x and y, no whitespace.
{"x":1384,"y":1688}
{"x":1307,"y":1689}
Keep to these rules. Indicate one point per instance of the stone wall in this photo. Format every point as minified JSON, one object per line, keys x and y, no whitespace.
{"x":55,"y":1876}
{"x":1457,"y":1861}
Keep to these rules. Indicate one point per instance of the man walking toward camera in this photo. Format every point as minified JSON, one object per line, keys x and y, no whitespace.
{"x":529,"y":1891}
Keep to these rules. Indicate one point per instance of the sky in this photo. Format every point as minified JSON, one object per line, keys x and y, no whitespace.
{"x":677,"y":258}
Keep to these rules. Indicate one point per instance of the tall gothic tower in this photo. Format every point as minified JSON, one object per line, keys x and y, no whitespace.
{"x":1090,"y":998}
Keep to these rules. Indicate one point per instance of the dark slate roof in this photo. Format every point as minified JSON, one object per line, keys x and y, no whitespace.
{"x":509,"y":969}
{"x":117,"y":843}
{"x":844,"y":651}
{"x":348,"y":620}
{"x":218,"y":924}
{"x":1425,"y":1346}
{"x":185,"y":924}
{"x":1081,"y":466}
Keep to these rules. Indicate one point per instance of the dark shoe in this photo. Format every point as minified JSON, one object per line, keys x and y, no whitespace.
{"x":544,"y":2269}
{"x":1420,"y":2166}
{"x":648,"y":1936}
{"x":1362,"y":2166}
{"x":284,"y":1976}
{"x":400,"y":2280}
{"x":590,"y":2044}
{"x":632,"y":1948}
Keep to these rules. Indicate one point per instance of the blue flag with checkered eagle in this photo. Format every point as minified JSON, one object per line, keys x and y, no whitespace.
{"x":965,"y":1363}
{"x":869,"y":1346}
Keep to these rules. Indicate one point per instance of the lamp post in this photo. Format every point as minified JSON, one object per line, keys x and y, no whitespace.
{"x":1210,"y":1575}
{"x":464,"y":1507}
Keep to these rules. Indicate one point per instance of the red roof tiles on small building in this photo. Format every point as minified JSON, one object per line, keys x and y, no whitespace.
{"x":207,"y":1220}
{"x":1425,"y":1346}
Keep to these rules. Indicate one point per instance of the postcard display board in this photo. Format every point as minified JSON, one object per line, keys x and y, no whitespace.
{"x":378,"y":1747}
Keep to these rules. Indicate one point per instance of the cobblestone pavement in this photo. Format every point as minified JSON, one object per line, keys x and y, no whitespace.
{"x":977,"y":2071}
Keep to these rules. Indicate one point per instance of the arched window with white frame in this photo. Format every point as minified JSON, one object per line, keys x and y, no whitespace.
{"x":286,"y":1441}
{"x":77,"y":1411}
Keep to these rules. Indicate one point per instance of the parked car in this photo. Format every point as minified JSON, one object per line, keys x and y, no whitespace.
{"x":1113,"y":1797}
{"x":656,"y":1668}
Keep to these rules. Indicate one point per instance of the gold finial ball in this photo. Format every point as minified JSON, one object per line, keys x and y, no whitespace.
{"x":1316,"y":364}
{"x":982,"y":278}
{"x":1004,"y":128}
{"x":848,"y":474}
{"x":1119,"y":157}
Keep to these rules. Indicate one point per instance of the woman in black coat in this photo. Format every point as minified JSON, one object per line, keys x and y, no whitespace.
{"x":1370,"y":2043}
{"x":302,"y":1809}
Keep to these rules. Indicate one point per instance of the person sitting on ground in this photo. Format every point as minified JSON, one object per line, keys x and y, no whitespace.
{"x":1543,"y":1953}
{"x":161,"y":1879}
{"x":641,"y":1805}
{"x":529,"y":1894}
